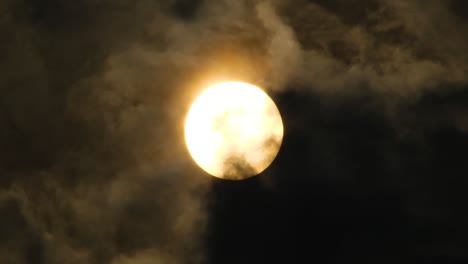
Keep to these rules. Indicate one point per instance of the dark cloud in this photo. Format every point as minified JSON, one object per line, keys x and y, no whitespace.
{"x":236,"y":167}
{"x":93,"y":168}
{"x":393,"y":48}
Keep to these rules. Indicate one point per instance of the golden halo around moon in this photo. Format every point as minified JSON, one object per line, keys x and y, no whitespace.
{"x":233,"y":130}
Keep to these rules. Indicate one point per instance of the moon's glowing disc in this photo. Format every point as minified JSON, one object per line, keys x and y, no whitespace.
{"x":233,"y":130}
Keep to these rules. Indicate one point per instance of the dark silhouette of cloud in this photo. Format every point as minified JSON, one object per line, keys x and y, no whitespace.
{"x":236,"y":167}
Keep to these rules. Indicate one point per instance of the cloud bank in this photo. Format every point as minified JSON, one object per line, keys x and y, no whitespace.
{"x":92,"y":163}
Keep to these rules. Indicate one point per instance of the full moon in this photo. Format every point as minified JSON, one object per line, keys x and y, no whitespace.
{"x":233,"y":130}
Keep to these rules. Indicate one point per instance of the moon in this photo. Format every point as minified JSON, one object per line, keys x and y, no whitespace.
{"x":233,"y":130}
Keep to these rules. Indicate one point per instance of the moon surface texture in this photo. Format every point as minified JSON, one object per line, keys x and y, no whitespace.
{"x":233,"y":130}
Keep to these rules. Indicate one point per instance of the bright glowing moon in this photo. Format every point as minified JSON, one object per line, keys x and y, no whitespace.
{"x":233,"y":130}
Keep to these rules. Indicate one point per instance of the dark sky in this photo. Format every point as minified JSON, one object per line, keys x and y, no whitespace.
{"x":373,"y":166}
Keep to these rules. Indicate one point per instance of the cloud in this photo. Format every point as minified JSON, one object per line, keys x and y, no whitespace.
{"x":391,"y":47}
{"x":94,"y":94}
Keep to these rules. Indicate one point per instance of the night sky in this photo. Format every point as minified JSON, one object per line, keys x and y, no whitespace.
{"x":373,"y":167}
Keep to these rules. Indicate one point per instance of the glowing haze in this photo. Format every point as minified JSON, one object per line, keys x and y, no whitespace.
{"x":233,"y":130}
